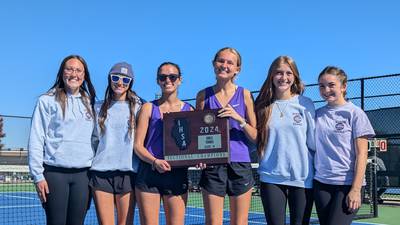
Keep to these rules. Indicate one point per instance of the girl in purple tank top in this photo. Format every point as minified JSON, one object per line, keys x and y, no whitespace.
{"x":156,"y":179}
{"x":235,"y":178}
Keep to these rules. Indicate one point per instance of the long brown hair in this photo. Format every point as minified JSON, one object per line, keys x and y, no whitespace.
{"x":267,"y":96}
{"x":132,"y":99}
{"x":86,"y":90}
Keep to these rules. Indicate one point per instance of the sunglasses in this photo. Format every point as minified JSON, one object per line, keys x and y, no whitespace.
{"x":171,"y":77}
{"x":125,"y":80}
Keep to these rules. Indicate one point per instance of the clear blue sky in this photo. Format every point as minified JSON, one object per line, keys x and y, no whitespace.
{"x":361,"y":36}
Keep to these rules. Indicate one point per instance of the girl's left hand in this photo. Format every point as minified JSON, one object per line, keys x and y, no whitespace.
{"x":353,"y":200}
{"x":161,"y":166}
{"x":229,"y":111}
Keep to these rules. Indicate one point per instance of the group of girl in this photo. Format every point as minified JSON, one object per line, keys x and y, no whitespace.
{"x":115,"y":147}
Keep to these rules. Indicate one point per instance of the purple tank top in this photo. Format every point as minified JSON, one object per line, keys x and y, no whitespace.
{"x":154,"y":137}
{"x":237,"y":143}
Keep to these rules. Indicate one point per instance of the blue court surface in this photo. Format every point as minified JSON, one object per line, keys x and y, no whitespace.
{"x":24,"y":208}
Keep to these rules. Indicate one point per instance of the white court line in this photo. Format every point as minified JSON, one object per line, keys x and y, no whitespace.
{"x":18,"y":206}
{"x":15,"y":196}
{"x":224,"y":218}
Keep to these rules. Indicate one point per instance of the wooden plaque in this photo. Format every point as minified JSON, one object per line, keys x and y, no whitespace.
{"x":194,"y":137}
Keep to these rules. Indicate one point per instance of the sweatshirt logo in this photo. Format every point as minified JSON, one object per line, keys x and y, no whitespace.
{"x":297,"y":119}
{"x":339,"y":126}
{"x":88,"y":117}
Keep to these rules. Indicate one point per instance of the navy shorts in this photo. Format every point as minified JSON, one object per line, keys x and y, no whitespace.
{"x":115,"y":182}
{"x":174,"y":182}
{"x":234,"y":179}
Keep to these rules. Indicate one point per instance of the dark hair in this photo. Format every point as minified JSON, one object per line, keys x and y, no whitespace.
{"x":336,"y":71}
{"x":168,"y":63}
{"x":264,"y":100}
{"x":86,"y":89}
{"x":132,"y":99}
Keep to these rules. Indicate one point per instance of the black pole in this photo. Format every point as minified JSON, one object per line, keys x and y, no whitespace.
{"x":375,"y":185}
{"x":362,"y":94}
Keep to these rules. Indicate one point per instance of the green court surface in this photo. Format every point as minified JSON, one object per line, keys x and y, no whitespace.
{"x":17,"y":187}
{"x":388,"y":214}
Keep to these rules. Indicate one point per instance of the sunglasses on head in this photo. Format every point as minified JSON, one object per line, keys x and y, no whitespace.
{"x":125,"y":80}
{"x":171,"y":77}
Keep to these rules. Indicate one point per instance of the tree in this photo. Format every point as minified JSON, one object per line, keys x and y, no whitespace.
{"x":2,"y":134}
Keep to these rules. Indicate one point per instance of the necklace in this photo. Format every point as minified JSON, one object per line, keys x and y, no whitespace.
{"x":281,"y":110}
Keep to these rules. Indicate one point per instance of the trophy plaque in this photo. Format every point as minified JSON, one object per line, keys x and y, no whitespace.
{"x":194,"y":137}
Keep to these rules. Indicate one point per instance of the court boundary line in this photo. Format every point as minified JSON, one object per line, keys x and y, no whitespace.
{"x":19,"y":206}
{"x":15,"y":196}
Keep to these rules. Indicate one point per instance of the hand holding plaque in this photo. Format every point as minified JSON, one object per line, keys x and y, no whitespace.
{"x":194,"y":137}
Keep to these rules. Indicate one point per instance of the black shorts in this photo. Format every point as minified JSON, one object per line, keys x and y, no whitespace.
{"x":174,"y":182}
{"x":115,"y":182}
{"x":234,"y":179}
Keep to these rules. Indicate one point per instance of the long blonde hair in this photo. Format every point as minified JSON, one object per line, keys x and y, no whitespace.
{"x":267,"y":96}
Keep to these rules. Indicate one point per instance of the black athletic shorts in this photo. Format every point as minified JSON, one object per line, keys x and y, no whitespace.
{"x":234,"y":179}
{"x":174,"y":182}
{"x":115,"y":182}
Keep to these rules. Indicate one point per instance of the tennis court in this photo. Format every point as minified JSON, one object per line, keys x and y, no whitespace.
{"x":20,"y":205}
{"x":23,"y":208}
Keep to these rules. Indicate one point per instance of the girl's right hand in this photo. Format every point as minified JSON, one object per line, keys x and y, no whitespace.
{"x":42,"y":190}
{"x":353,"y":200}
{"x":162,"y":166}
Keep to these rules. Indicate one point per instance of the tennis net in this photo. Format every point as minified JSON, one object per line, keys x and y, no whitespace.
{"x":19,"y":204}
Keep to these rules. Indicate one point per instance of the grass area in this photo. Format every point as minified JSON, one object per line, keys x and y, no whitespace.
{"x":22,"y":187}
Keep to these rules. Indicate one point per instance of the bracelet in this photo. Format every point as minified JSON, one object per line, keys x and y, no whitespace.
{"x":243,"y":124}
{"x":153,"y":165}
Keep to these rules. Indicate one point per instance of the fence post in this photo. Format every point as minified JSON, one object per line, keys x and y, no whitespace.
{"x":375,"y":184}
{"x":362,"y":93}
